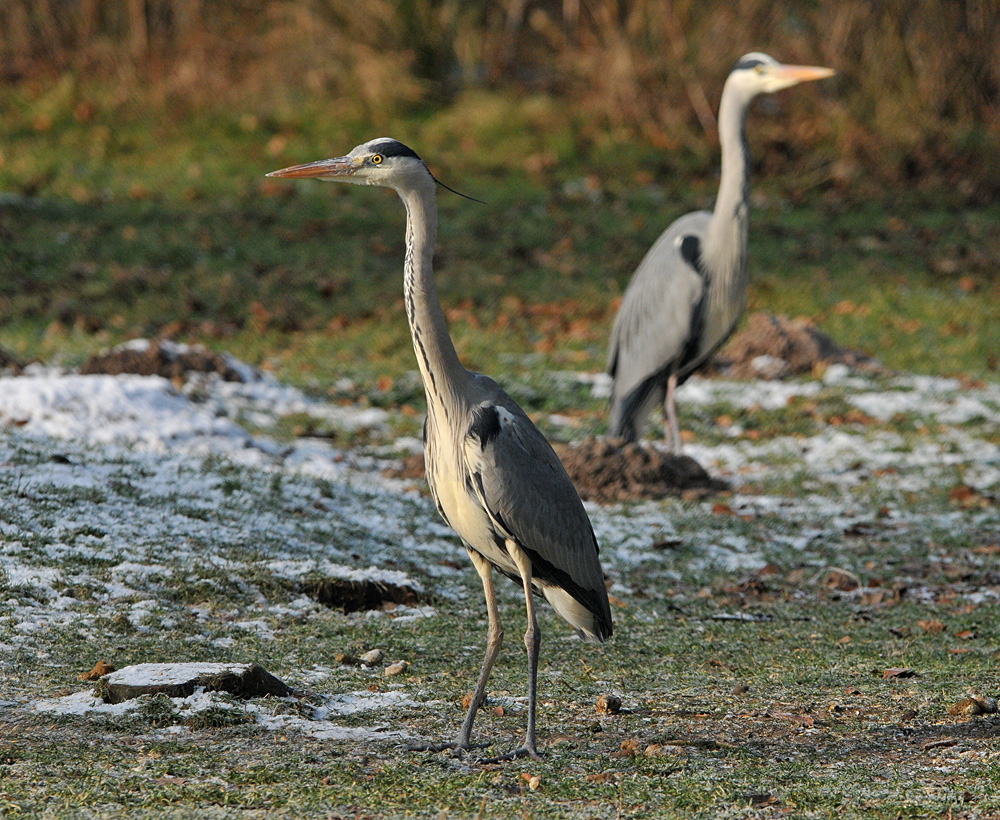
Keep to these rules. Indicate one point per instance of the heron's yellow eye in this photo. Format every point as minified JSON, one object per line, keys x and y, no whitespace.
{"x":759,"y":68}
{"x":377,"y":159}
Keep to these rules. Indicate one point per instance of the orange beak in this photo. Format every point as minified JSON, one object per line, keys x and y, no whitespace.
{"x":322,"y":169}
{"x":803,"y":73}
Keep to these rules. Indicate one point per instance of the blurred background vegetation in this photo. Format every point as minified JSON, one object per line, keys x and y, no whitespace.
{"x":917,"y":97}
{"x":139,"y":131}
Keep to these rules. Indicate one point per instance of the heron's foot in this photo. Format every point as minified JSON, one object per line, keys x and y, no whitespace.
{"x":517,"y":754}
{"x":457,"y":746}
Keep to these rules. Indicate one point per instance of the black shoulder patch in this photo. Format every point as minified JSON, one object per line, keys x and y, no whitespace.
{"x":485,"y":425}
{"x":691,"y":251}
{"x":394,"y":148}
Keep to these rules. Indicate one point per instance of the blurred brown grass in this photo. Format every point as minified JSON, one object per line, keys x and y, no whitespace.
{"x":916,"y":98}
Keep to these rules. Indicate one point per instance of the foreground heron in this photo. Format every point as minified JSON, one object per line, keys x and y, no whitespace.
{"x":495,"y":479}
{"x":689,"y":291}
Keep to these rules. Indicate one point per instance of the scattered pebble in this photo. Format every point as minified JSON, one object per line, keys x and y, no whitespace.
{"x":974,"y":705}
{"x":373,"y":657}
{"x":739,"y":689}
{"x":397,"y":668}
{"x":609,"y":705}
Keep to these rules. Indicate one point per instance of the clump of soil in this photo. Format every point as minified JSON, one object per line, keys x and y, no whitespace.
{"x":161,"y":358}
{"x":10,"y":362}
{"x":358,"y":596}
{"x":609,"y":470}
{"x":774,"y":347}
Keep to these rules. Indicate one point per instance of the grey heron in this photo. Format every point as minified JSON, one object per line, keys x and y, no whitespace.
{"x":494,"y":477}
{"x":690,"y":289}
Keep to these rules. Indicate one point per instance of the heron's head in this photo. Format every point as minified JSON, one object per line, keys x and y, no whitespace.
{"x":758,"y":73}
{"x":382,"y":161}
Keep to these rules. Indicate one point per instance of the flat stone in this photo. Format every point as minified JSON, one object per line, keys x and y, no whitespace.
{"x":180,"y":680}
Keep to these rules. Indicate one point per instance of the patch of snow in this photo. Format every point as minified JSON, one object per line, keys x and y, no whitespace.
{"x":166,"y":674}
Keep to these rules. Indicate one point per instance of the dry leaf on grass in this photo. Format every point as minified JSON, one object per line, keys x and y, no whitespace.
{"x":609,"y":705}
{"x":533,"y":780}
{"x":101,"y":668}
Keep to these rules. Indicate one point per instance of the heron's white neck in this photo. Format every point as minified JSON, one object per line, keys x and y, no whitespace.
{"x":725,"y":246}
{"x":440,"y":368}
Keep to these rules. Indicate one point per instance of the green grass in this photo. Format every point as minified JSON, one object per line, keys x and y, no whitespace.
{"x":135,"y":223}
{"x":140,"y":222}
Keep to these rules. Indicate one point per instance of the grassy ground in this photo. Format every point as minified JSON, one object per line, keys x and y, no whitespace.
{"x":754,"y":673}
{"x":131,"y":224}
{"x":135,"y":225}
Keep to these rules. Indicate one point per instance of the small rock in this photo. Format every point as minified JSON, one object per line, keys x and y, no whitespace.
{"x":179,"y":680}
{"x":974,"y":705}
{"x":609,"y":705}
{"x":739,"y":689}
{"x":397,"y":668}
{"x":373,"y":657}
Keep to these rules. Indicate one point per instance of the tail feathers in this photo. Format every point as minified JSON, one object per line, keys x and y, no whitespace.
{"x":629,"y":412}
{"x":588,"y":624}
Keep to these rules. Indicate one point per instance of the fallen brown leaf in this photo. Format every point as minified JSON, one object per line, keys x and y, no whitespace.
{"x":609,"y":705}
{"x":931,"y":625}
{"x":629,"y":748}
{"x":101,"y":668}
{"x":898,"y":672}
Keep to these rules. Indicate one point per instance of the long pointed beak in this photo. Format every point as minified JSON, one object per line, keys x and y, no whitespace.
{"x":803,"y":73}
{"x":323,"y":169}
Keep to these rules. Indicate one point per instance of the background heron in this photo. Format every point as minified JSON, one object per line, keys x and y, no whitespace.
{"x":495,"y":479}
{"x":689,"y":291}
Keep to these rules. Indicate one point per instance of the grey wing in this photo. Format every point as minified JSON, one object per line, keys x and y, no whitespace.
{"x":531,"y":499}
{"x":655,"y":322}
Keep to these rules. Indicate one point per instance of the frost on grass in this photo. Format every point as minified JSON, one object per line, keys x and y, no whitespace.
{"x":143,"y":519}
{"x":318,"y":719}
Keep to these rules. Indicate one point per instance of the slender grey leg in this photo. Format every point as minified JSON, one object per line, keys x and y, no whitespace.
{"x":532,"y":642}
{"x":673,"y":431}
{"x":494,"y":640}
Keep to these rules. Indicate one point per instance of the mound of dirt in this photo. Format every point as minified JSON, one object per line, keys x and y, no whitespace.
{"x":774,"y":347}
{"x":609,"y":470}
{"x":161,"y":358}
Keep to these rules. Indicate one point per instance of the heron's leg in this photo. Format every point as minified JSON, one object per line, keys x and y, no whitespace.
{"x":673,"y":431}
{"x":532,"y":642}
{"x":494,"y":640}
